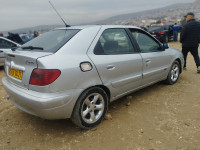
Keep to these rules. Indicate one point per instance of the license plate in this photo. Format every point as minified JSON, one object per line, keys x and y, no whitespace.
{"x":153,"y":34}
{"x":15,"y":73}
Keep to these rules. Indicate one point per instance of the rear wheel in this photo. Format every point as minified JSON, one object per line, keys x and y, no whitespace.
{"x":173,"y":73}
{"x":90,"y":108}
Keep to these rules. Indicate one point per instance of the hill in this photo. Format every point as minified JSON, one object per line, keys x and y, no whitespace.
{"x":175,"y":11}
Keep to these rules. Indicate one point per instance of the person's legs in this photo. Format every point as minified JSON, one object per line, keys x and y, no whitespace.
{"x":185,"y":53}
{"x":176,"y":36}
{"x":194,"y":52}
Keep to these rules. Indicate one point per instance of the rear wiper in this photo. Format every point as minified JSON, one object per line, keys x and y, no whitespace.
{"x":32,"y":47}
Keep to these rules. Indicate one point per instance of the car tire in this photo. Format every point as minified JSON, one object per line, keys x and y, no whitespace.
{"x":90,"y":108}
{"x":174,"y":73}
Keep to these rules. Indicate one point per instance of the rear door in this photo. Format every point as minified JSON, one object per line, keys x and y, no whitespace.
{"x":155,"y":60}
{"x":118,"y":63}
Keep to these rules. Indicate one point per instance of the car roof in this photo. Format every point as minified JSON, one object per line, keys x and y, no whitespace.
{"x":106,"y":26}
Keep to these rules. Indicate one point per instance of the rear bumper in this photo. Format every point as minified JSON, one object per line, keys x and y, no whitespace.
{"x":45,"y":105}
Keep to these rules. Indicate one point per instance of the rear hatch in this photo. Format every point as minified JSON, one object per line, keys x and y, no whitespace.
{"x":20,"y":64}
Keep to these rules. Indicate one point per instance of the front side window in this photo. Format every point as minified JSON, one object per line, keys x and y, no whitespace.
{"x":114,"y":41}
{"x":6,"y":44}
{"x":145,"y":42}
{"x":50,"y":41}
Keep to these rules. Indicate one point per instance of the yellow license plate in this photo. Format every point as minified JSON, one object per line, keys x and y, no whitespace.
{"x":15,"y":73}
{"x":153,"y":34}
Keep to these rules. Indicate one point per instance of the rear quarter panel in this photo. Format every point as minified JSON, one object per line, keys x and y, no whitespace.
{"x":68,"y":60}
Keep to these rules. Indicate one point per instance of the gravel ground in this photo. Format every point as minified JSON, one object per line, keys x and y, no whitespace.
{"x":159,"y":117}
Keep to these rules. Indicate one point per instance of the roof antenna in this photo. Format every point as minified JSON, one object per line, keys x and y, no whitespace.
{"x":59,"y":15}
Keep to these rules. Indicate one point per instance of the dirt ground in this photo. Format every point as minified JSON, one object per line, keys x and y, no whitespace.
{"x":159,"y":117}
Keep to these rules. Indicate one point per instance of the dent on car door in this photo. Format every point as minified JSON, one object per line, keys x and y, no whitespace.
{"x":118,"y":64}
{"x":155,"y":60}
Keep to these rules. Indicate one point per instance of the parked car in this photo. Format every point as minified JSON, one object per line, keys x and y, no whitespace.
{"x":6,"y":45}
{"x":75,"y":72}
{"x":163,"y":32}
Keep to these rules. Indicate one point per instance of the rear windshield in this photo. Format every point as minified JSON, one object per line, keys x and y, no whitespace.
{"x":155,"y":28}
{"x":50,"y":41}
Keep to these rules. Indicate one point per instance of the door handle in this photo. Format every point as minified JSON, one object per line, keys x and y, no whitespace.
{"x":110,"y":67}
{"x":148,"y":61}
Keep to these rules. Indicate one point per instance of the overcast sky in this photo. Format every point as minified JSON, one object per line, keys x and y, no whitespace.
{"x":17,"y":14}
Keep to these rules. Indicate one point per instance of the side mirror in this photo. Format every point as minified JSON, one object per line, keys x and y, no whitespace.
{"x":1,"y":51}
{"x":165,"y":46}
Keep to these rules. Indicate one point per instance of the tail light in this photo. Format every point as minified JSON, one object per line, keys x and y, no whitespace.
{"x":161,"y":32}
{"x":44,"y":77}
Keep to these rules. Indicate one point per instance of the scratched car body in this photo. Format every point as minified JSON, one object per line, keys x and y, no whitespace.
{"x":75,"y":72}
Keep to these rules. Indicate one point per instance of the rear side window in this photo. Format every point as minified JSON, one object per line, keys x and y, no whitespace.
{"x":114,"y":41}
{"x":50,"y":41}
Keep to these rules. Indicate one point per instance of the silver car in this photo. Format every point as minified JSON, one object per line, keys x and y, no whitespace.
{"x":6,"y":45}
{"x":76,"y":72}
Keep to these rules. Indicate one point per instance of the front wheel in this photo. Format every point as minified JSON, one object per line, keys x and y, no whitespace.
{"x":90,"y":108}
{"x":173,"y":73}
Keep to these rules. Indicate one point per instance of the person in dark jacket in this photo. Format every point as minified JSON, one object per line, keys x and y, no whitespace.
{"x":190,"y":39}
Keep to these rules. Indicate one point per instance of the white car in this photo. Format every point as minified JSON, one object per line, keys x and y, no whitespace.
{"x":6,"y":45}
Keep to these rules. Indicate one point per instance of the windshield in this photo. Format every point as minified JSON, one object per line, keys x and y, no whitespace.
{"x":155,"y":28}
{"x":50,"y":41}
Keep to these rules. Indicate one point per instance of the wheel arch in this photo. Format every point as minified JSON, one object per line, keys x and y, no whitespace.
{"x":106,"y":89}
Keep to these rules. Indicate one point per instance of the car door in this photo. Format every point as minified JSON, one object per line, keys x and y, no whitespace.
{"x":156,"y":61}
{"x":118,"y":63}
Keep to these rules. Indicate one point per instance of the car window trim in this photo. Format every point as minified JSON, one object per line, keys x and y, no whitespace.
{"x":133,"y":41}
